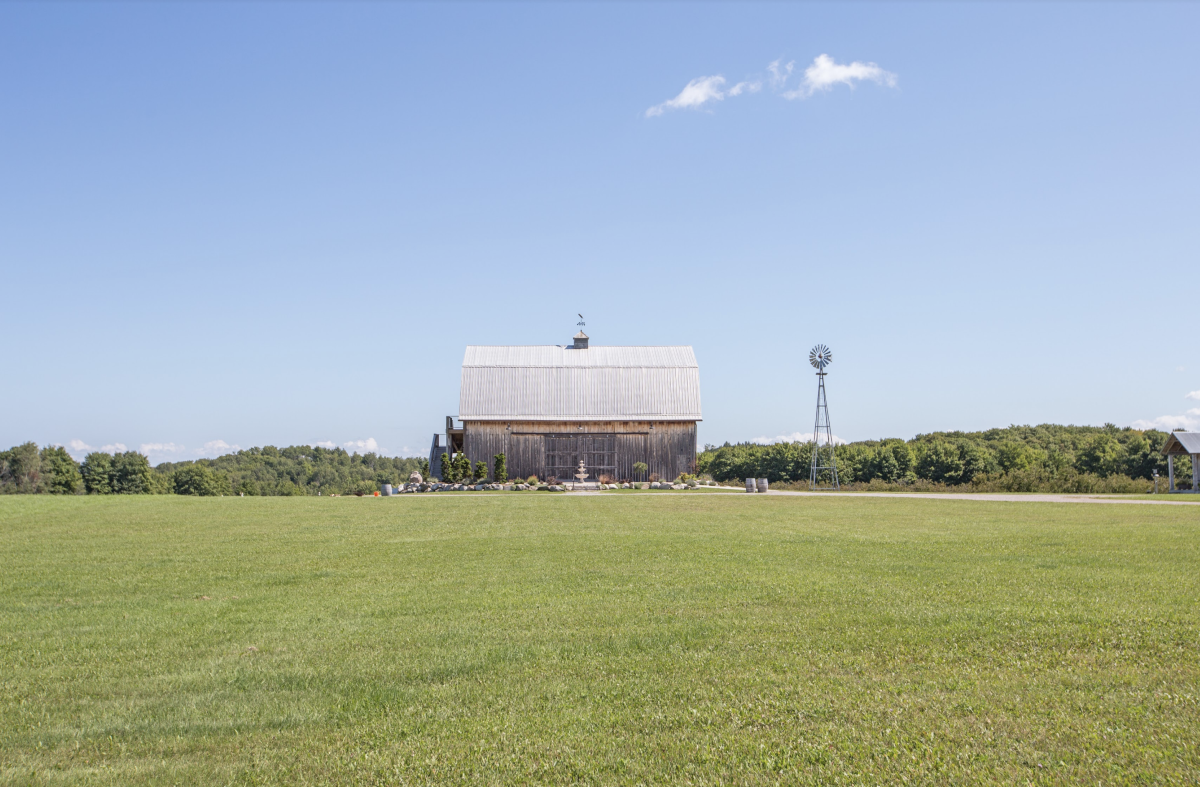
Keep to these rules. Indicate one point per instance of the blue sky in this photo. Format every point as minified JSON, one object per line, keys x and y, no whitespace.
{"x":226,"y":224}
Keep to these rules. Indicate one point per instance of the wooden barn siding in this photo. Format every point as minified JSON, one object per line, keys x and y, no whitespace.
{"x":669,"y":448}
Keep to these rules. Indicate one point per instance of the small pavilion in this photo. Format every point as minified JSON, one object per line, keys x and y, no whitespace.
{"x":1183,"y":443}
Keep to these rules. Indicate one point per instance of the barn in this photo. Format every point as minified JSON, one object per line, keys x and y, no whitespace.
{"x":546,"y":407}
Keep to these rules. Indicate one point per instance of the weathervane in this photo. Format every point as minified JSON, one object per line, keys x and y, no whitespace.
{"x":581,"y":323}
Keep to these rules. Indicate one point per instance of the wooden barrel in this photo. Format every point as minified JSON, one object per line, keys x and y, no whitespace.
{"x":762,"y":485}
{"x":749,"y":484}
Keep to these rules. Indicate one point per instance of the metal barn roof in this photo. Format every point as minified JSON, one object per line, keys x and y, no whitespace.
{"x":551,"y":383}
{"x":1182,"y":443}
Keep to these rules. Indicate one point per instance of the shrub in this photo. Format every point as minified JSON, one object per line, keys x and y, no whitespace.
{"x":500,"y":473}
{"x":462,"y":467}
{"x":653,"y":477}
{"x":532,"y":480}
{"x":639,"y":469}
{"x":481,"y":471}
{"x":605,"y":478}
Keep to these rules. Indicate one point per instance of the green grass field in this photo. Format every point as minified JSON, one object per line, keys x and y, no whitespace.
{"x":630,"y":639}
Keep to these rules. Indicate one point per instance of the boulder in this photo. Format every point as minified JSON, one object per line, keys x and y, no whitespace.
{"x":415,"y":478}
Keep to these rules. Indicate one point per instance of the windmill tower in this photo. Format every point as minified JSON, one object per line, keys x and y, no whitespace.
{"x":823,"y":474}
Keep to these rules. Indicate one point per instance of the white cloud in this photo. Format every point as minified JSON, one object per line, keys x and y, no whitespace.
{"x":161,"y":450}
{"x":1194,"y":411}
{"x":780,"y":72}
{"x":1193,"y":395}
{"x":795,"y":437}
{"x":78,"y":449}
{"x":1168,"y":422}
{"x":365,"y":446}
{"x":747,"y":87}
{"x":695,"y":94}
{"x":824,"y":74}
{"x":215,"y":448}
{"x":326,"y":444}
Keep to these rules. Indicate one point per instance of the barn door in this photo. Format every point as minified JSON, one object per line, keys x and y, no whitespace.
{"x":562,"y":456}
{"x":599,"y":453}
{"x":525,"y":456}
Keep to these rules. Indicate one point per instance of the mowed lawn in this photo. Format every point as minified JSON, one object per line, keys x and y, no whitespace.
{"x":652,"y":639}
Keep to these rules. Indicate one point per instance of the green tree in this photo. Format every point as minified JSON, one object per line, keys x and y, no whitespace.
{"x":1102,"y":455}
{"x":1143,"y":455}
{"x":1011,"y":455}
{"x":196,"y":480}
{"x":130,"y":474}
{"x":21,"y":470}
{"x":940,"y":462}
{"x":889,"y":466}
{"x":639,"y":471}
{"x":97,"y":472}
{"x":481,"y":471}
{"x":447,"y":469}
{"x":61,"y":471}
{"x":162,"y":483}
{"x":501,"y":468}
{"x":976,"y":459}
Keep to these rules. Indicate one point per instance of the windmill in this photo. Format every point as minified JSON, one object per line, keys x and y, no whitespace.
{"x":823,"y":473}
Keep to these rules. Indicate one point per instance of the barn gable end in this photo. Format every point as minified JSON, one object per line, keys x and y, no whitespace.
{"x":547,"y":407}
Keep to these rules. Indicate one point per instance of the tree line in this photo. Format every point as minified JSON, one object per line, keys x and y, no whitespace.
{"x":271,"y":471}
{"x":1045,"y":458}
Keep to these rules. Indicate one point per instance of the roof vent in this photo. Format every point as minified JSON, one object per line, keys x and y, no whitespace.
{"x":581,"y":340}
